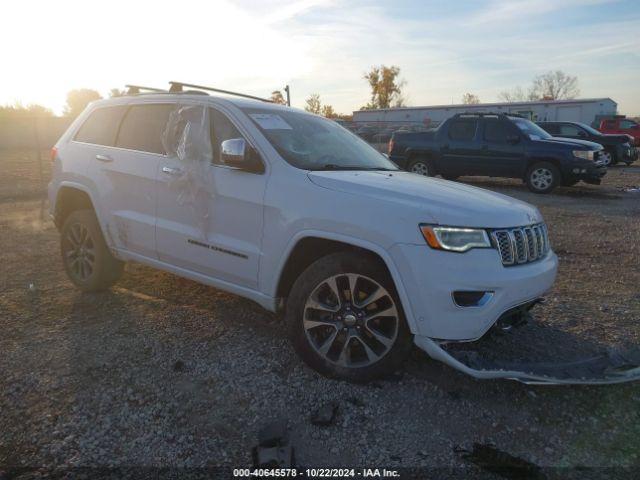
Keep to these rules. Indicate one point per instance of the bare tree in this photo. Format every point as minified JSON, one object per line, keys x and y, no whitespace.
{"x":313,"y":104}
{"x":386,"y":88}
{"x":516,"y":94}
{"x":555,"y":85}
{"x":470,"y":99}
{"x":278,"y":97}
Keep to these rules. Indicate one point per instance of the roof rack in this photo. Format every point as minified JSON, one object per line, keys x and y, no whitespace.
{"x":488,"y":114}
{"x":136,"y":89}
{"x":176,"y":87}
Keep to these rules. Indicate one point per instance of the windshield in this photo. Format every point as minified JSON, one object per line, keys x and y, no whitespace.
{"x":533,"y":131}
{"x":589,"y":129}
{"x":315,"y":143}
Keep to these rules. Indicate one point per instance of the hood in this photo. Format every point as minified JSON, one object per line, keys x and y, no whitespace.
{"x":444,"y":202}
{"x":572,"y":142}
{"x":613,"y":139}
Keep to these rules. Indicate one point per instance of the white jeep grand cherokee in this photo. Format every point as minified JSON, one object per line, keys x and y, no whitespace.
{"x":293,"y":211}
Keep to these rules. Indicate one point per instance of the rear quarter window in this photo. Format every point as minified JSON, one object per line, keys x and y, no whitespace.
{"x":101,"y":126}
{"x":462,"y":129}
{"x":143,"y":126}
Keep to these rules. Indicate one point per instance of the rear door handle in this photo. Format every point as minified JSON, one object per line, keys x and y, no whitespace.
{"x":104,"y":158}
{"x":171,"y":171}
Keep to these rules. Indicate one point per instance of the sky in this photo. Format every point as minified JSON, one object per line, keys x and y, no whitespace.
{"x":443,"y":48}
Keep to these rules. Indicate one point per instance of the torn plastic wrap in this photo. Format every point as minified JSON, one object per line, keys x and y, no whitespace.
{"x":186,"y":137}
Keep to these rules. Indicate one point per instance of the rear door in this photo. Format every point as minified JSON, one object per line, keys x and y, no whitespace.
{"x":460,"y":151}
{"x":502,"y":149}
{"x":125,"y":177}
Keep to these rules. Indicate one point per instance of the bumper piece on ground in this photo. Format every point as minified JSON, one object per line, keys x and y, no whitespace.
{"x":606,"y":368}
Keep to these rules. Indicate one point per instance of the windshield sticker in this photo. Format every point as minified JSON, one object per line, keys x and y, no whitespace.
{"x":270,"y":121}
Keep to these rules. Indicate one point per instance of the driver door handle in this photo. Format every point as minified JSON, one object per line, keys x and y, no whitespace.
{"x":104,"y":158}
{"x":171,"y":170}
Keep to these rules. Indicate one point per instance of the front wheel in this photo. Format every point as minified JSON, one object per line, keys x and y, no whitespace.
{"x":345,"y":320}
{"x":421,"y":167}
{"x":543,"y":177}
{"x":607,"y":158}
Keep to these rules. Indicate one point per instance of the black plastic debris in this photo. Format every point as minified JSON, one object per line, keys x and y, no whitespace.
{"x":274,"y":449}
{"x":179,"y":366}
{"x":489,"y":458}
{"x":325,"y":415}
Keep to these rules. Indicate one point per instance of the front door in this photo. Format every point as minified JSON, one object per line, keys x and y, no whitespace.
{"x":210,"y":215}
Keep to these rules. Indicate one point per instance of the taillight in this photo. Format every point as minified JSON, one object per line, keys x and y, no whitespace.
{"x":53,"y":153}
{"x":390,"y":146}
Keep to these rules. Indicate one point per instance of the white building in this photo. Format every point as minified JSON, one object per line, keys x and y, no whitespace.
{"x":586,"y":110}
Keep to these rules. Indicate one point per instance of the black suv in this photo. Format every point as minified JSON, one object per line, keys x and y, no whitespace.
{"x":617,"y":148}
{"x":498,"y":145}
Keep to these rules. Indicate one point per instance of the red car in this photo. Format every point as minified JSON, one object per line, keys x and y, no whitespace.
{"x":621,"y":125}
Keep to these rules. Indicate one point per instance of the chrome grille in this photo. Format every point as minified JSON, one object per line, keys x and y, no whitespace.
{"x":522,"y":244}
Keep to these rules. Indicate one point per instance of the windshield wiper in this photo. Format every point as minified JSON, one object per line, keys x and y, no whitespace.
{"x":333,"y":166}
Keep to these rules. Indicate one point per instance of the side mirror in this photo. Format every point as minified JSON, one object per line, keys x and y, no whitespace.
{"x":513,"y":139}
{"x":235,"y":153}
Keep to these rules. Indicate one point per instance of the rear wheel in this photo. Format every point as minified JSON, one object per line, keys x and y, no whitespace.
{"x":345,"y":320}
{"x":421,"y":167}
{"x":85,"y":255}
{"x":543,"y":177}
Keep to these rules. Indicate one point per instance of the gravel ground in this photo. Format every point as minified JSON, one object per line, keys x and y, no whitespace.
{"x":163,"y":372}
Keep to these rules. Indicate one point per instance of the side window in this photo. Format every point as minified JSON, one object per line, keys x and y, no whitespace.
{"x":101,"y":127}
{"x":221,"y":129}
{"x":609,"y":124}
{"x":496,"y":131}
{"x":143,"y":126}
{"x":462,"y":129}
{"x":569,"y":131}
{"x":627,"y":124}
{"x":550,"y":128}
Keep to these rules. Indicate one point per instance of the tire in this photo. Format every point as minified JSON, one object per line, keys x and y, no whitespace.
{"x":543,"y":177}
{"x":609,"y":158}
{"x":85,"y":255}
{"x":421,"y":166}
{"x":332,"y":334}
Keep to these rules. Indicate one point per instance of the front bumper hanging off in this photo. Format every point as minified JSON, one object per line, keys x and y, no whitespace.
{"x":612,"y":366}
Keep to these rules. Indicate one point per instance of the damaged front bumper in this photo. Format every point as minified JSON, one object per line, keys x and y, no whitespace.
{"x":612,"y":366}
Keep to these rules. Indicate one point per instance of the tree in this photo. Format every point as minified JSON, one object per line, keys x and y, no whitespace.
{"x":313,"y":104}
{"x":555,"y":85}
{"x":78,"y":99}
{"x":470,"y":99}
{"x":548,"y":86}
{"x":277,"y":97}
{"x":328,"y":111}
{"x":385,"y":87}
{"x":516,"y":94}
{"x":19,"y":110}
{"x":116,"y":92}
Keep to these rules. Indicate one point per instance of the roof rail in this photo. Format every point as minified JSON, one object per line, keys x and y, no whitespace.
{"x":176,"y":87}
{"x":136,"y":89}
{"x":488,"y":114}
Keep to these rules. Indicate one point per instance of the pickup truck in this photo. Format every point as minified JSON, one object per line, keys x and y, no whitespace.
{"x":617,"y":148}
{"x":498,"y":145}
{"x":621,"y":125}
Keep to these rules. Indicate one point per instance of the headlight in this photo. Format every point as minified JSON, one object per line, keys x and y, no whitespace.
{"x":586,"y":154}
{"x":455,"y":239}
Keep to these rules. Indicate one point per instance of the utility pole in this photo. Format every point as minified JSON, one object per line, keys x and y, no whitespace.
{"x":286,"y":89}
